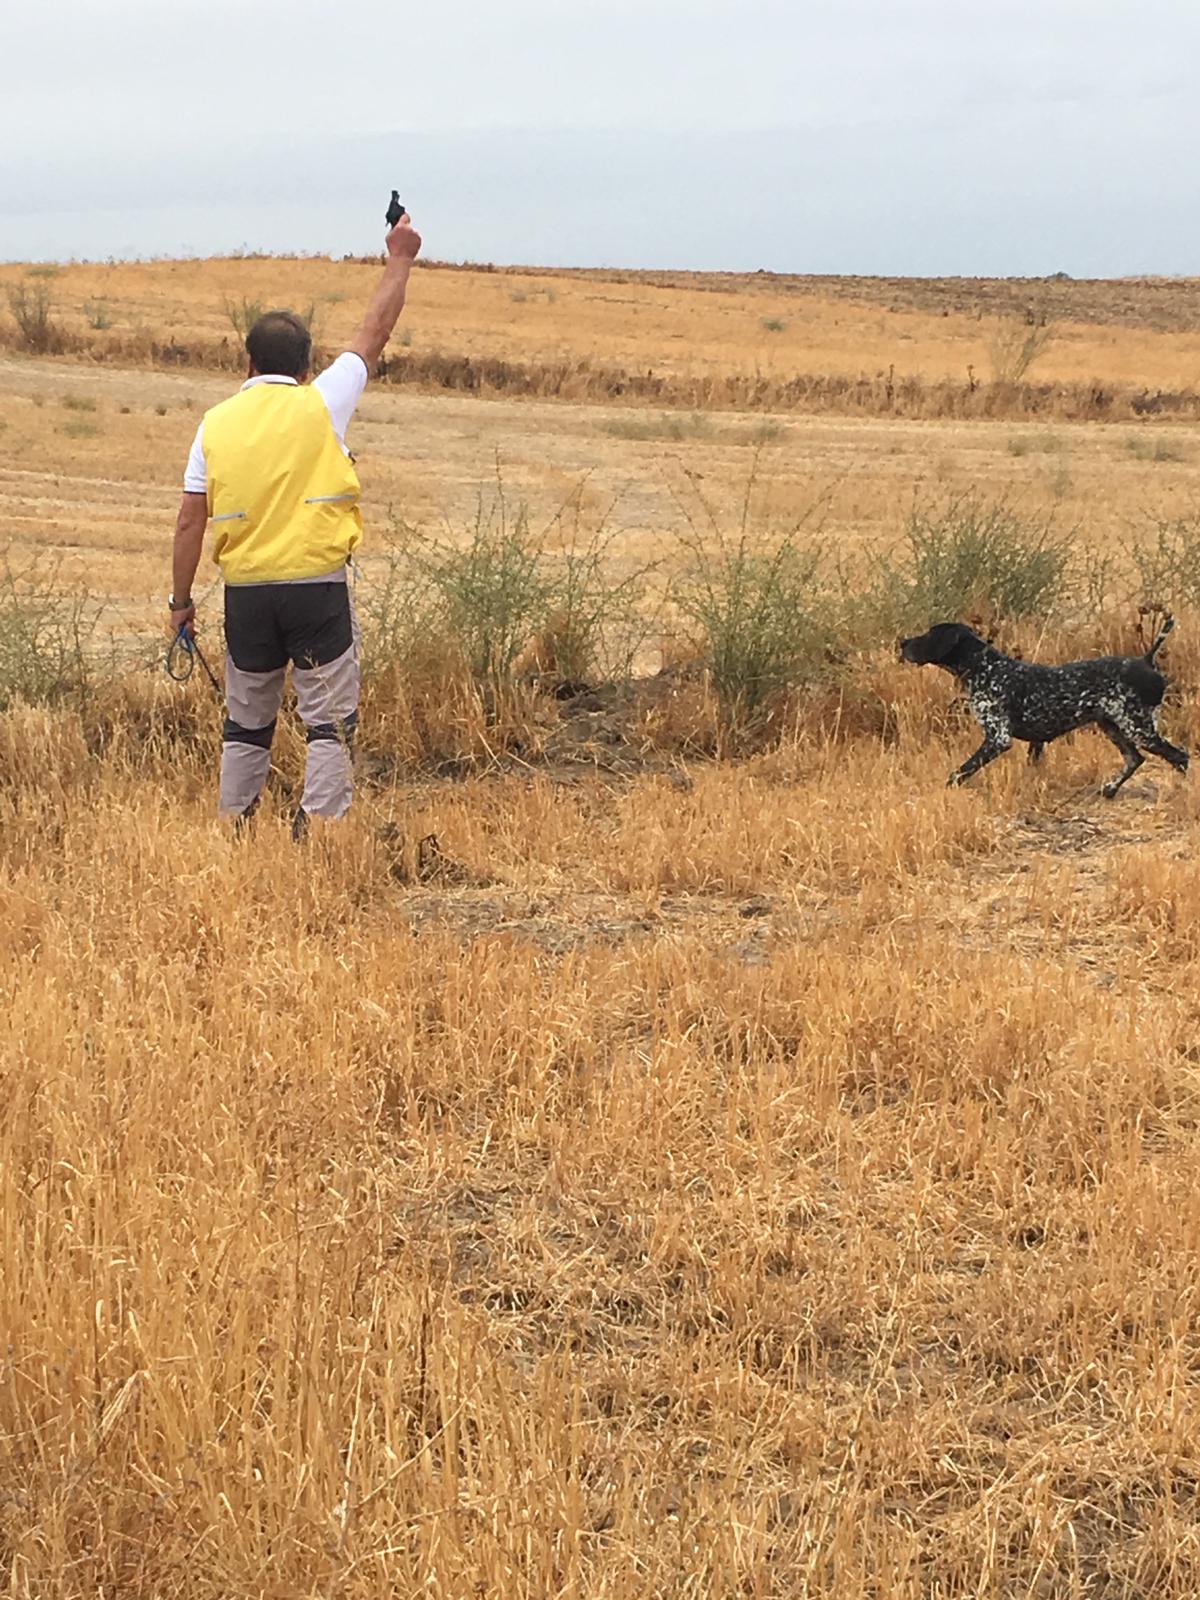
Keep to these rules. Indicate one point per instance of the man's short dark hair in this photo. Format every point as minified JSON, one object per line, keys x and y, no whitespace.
{"x":280,"y":344}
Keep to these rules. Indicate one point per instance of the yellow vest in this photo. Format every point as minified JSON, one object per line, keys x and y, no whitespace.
{"x":281,"y":490}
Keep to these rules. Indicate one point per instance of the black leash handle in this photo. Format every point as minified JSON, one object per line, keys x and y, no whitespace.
{"x":182,"y":656}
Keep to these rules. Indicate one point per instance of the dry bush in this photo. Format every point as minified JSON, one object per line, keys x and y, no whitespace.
{"x":48,"y":635}
{"x":1168,"y":562}
{"x":1016,"y":346}
{"x":243,"y":313}
{"x":32,"y":311}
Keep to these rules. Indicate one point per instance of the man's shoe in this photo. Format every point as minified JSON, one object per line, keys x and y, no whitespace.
{"x":241,"y":824}
{"x":300,"y":825}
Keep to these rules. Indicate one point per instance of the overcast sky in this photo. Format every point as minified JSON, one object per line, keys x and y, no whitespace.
{"x":888,"y":136}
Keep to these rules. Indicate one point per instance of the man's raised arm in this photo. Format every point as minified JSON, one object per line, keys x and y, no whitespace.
{"x":386,"y":304}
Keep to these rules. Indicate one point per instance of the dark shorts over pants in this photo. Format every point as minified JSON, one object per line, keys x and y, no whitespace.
{"x":311,"y":625}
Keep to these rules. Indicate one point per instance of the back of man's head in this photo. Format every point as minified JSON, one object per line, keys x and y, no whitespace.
{"x":280,"y":344}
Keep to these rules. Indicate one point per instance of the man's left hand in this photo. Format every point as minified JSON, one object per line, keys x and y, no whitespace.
{"x":183,"y":617}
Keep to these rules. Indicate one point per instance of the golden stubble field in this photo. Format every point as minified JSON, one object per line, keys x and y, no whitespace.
{"x":691,"y":1178}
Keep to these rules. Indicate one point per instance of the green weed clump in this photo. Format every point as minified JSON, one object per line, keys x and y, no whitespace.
{"x":508,"y":601}
{"x":974,"y":557}
{"x":1143,"y":449}
{"x":764,"y":616}
{"x":1168,"y":563}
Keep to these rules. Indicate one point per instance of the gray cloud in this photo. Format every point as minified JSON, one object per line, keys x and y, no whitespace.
{"x":851,"y":135}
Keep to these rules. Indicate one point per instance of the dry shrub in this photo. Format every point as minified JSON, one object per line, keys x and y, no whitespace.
{"x":32,"y":310}
{"x":757,"y":601}
{"x":48,"y":635}
{"x":1016,"y":345}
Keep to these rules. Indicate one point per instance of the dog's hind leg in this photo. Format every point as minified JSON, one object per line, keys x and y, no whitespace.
{"x":1133,"y":757}
{"x":1036,"y":751}
{"x":1142,"y":729}
{"x":1158,"y":746}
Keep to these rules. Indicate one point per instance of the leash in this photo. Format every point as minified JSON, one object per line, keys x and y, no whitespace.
{"x":182,"y":656}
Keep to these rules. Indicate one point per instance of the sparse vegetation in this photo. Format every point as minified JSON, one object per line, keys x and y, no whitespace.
{"x":47,"y":636}
{"x":765,"y":432}
{"x":1167,"y":558}
{"x":243,"y":312}
{"x":774,"y":324}
{"x":1044,"y":443}
{"x":758,"y":604}
{"x":969,"y":556}
{"x":1016,"y":346}
{"x":665,"y":426}
{"x":97,"y":314}
{"x":32,"y":312}
{"x":1143,"y":448}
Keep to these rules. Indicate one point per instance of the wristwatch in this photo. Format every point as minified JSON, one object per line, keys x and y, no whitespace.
{"x":179,"y":605}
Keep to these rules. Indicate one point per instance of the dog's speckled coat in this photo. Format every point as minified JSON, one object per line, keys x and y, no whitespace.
{"x":1011,"y":699}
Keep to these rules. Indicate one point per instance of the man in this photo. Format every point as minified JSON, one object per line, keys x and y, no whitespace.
{"x":270,"y":468}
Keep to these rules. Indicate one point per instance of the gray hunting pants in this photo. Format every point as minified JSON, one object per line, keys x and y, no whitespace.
{"x":313,"y":626}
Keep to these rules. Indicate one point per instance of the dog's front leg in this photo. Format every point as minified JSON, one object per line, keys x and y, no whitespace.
{"x":995,"y":744}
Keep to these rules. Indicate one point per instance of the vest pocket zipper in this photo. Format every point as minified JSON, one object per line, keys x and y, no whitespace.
{"x":327,"y":499}
{"x":229,"y":516}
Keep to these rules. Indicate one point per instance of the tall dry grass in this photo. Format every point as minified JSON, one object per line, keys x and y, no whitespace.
{"x":767,"y":1179}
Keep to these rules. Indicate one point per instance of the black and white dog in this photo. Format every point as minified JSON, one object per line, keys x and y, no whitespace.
{"x":1011,"y":699}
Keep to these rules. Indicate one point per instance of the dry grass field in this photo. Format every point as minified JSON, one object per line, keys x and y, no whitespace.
{"x":764,"y":1174}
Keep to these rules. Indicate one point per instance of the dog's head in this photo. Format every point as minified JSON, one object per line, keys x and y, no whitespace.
{"x":947,"y":644}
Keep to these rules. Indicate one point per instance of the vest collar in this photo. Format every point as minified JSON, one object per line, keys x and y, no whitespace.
{"x":268,"y":377}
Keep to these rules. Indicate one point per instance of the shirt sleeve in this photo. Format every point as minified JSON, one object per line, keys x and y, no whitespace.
{"x":195,"y":477}
{"x":341,"y":386}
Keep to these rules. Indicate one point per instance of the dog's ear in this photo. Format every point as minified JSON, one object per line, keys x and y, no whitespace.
{"x":946,"y":639}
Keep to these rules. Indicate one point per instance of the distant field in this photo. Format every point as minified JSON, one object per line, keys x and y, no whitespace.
{"x":640,"y":1155}
{"x":93,"y":453}
{"x":801,"y":342}
{"x":1164,"y":305}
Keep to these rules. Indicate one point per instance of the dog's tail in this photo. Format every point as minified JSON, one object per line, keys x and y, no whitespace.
{"x":1164,"y":628}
